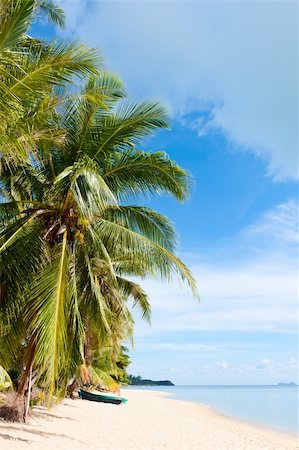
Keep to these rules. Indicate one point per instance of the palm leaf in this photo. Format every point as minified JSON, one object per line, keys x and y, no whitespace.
{"x":159,"y":259}
{"x":53,"y":11}
{"x":56,"y":64}
{"x":145,"y":221}
{"x":134,"y":172}
{"x":140,"y":298}
{"x":15,"y":19}
{"x":21,"y":249}
{"x":47,"y":317}
{"x":129,"y":125}
{"x":100,"y":377}
{"x":5,"y":380}
{"x":83,"y":184}
{"x":93,"y":304}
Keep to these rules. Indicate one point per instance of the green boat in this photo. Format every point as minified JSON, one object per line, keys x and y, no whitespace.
{"x":101,"y":398}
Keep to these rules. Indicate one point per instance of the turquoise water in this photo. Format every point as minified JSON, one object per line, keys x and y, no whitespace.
{"x":273,"y":406}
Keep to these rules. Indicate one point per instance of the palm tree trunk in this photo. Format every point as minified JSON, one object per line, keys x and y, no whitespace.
{"x":28,"y":366}
{"x":29,"y":393}
{"x":26,"y":379}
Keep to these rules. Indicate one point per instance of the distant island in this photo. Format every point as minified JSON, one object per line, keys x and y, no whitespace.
{"x":287,"y":384}
{"x":139,"y":381}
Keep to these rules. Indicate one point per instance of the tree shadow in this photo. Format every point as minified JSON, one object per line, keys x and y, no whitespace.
{"x":41,"y":433}
{"x":46,"y":415}
{"x":12,"y":438}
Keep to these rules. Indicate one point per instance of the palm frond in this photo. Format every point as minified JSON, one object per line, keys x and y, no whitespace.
{"x":134,"y":291}
{"x":21,"y":248}
{"x":56,"y":64}
{"x":145,"y":221}
{"x":93,"y":303}
{"x":80,"y":116}
{"x":54,"y":12}
{"x":47,"y":317}
{"x":128,"y":125}
{"x":135,"y":172}
{"x":100,"y":377}
{"x":83,"y":184}
{"x":5,"y":380}
{"x":159,"y":259}
{"x":15,"y":19}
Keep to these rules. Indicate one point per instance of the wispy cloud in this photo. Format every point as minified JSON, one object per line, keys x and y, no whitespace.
{"x":225,"y":372}
{"x":236,"y":60}
{"x":279,"y":226}
{"x":258,"y":291}
{"x":265,"y":363}
{"x":261,"y":297}
{"x":188,"y":347}
{"x":223,"y":364}
{"x":243,"y":329}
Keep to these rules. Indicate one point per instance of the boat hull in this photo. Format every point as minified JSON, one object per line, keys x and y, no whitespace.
{"x":84,"y":395}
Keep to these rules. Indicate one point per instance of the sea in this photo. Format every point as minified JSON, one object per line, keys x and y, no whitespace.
{"x":271,"y":406}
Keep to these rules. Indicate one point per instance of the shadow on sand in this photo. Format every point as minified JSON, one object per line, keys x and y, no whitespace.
{"x":12,"y":438}
{"x":24,"y":429}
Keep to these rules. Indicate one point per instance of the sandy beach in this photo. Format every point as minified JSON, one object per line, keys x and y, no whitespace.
{"x":149,"y":420}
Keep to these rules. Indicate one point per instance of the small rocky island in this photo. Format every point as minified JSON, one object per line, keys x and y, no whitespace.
{"x":287,"y":384}
{"x":139,"y":381}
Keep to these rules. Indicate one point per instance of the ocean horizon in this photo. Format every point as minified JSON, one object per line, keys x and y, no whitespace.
{"x":274,"y":406}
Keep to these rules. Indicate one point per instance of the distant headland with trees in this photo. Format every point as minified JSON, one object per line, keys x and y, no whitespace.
{"x":139,"y":381}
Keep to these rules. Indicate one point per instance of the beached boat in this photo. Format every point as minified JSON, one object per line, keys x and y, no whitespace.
{"x":101,"y":398}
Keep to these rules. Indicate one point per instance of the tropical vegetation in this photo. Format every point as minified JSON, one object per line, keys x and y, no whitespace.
{"x":73,"y":237}
{"x":139,"y":381}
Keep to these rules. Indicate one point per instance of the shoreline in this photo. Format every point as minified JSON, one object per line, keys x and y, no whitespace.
{"x":241,"y":420}
{"x":260,"y":426}
{"x":150,"y":420}
{"x":233,"y":418}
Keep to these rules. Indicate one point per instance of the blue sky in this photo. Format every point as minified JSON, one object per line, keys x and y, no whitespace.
{"x":227,"y":71}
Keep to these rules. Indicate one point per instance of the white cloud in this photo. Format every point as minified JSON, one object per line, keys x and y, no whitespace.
{"x":188,"y":347}
{"x":280,"y":225}
{"x":265,"y":363}
{"x":293,"y":361}
{"x":263,"y":367}
{"x":251,"y":298}
{"x":256,"y":292}
{"x":223,"y":365}
{"x":238,"y":60}
{"x":214,"y":348}
{"x":265,"y":371}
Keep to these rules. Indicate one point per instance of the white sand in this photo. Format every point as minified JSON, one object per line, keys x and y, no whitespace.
{"x":148,"y":421}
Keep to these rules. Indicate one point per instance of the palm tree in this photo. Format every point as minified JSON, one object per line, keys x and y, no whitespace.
{"x":70,"y":237}
{"x":32,"y":76}
{"x":71,"y":233}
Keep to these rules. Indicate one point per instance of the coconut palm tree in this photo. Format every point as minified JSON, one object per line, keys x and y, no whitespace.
{"x":32,"y":76}
{"x":70,"y":235}
{"x":71,"y":232}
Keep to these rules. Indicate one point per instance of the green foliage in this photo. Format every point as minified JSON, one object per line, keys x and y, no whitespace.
{"x":72,"y":231}
{"x":5,"y":380}
{"x":30,"y":71}
{"x":139,"y":381}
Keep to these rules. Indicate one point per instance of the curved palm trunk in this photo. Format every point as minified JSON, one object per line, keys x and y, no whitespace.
{"x":26,"y":410}
{"x":71,"y":389}
{"x":26,"y":380}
